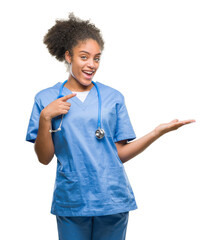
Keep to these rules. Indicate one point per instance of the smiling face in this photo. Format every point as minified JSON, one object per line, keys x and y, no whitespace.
{"x":85,"y":62}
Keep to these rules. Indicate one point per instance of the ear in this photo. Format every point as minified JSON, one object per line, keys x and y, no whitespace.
{"x":67,"y":57}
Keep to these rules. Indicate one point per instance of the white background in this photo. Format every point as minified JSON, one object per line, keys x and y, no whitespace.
{"x":164,"y":56}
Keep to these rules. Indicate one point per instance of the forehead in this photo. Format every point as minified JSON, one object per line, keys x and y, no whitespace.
{"x":91,"y":46}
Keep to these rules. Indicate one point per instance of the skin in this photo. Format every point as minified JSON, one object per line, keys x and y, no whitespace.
{"x":127,"y":151}
{"x":85,"y":57}
{"x":89,"y":60}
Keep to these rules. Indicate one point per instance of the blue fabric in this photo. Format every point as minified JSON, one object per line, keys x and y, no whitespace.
{"x":90,"y":177}
{"x":110,"y":227}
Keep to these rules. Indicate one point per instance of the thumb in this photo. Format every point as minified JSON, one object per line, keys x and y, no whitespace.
{"x":65,"y":98}
{"x":175,"y":120}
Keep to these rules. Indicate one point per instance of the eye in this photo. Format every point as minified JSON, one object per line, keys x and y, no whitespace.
{"x":97,"y":59}
{"x":83,"y":57}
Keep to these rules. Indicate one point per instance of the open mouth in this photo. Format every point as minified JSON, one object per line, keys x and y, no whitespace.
{"x":88,"y":74}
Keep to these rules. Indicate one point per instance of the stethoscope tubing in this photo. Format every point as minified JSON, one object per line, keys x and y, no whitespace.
{"x":99,"y":132}
{"x":99,"y":106}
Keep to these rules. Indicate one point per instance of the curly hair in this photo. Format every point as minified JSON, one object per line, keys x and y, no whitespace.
{"x":66,"y":34}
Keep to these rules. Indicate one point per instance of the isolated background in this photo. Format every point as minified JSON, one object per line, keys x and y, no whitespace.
{"x":164,"y":56}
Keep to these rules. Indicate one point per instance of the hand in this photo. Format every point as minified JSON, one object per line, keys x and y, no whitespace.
{"x":173,"y":125}
{"x":57,"y":107}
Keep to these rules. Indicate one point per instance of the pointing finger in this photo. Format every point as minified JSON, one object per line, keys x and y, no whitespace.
{"x":65,"y":98}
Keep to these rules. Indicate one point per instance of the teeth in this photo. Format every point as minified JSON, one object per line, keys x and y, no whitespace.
{"x":88,"y":72}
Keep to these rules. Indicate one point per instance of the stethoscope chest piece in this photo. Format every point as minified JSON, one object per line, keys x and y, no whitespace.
{"x":100,"y":133}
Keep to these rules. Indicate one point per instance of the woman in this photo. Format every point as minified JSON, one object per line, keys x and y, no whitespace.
{"x":87,"y":126}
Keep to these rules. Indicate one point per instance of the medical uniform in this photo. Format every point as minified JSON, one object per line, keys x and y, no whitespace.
{"x":107,"y":227}
{"x":90,"y":177}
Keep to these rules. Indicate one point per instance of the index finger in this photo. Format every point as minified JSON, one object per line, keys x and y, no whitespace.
{"x":65,"y":98}
{"x":188,"y":121}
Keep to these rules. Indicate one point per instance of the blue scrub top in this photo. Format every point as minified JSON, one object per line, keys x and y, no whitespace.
{"x":90,"y":177}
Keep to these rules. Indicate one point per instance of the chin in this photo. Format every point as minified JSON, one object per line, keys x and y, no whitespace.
{"x":87,"y":83}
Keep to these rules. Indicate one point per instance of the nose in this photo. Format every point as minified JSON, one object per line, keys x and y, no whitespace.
{"x":91,"y":64}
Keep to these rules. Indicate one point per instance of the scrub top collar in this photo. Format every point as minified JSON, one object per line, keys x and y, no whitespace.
{"x":84,"y":104}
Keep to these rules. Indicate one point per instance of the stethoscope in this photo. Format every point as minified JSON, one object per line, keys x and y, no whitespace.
{"x":99,"y":133}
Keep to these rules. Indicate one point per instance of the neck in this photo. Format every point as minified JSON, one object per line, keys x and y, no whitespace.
{"x":75,"y":86}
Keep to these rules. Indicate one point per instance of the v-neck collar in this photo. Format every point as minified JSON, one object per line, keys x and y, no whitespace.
{"x":75,"y":99}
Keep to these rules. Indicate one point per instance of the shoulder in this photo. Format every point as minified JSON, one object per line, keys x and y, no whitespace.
{"x":47,"y":95}
{"x":110,"y":91}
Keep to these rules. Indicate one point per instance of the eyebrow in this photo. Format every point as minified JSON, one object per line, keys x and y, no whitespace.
{"x":89,"y":53}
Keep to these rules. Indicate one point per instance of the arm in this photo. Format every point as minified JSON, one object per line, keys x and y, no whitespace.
{"x":126,"y":151}
{"x":44,"y":146}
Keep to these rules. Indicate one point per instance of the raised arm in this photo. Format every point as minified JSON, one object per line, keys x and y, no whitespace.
{"x":127,"y":151}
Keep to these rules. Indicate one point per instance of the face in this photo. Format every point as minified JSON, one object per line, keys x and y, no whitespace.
{"x":85,"y":61}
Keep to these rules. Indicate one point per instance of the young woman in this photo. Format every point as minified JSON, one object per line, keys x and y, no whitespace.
{"x":87,"y":126}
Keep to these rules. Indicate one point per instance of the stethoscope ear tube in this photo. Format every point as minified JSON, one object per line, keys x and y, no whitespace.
{"x":99,"y":133}
{"x":59,"y":128}
{"x":61,"y":89}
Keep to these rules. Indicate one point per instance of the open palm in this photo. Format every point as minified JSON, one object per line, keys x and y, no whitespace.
{"x":173,"y":125}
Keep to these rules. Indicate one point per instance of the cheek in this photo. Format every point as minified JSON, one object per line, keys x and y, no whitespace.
{"x":97,"y":65}
{"x":78,"y":68}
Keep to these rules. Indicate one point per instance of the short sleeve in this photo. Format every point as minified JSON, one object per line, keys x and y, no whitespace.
{"x":124,"y":129}
{"x":33,"y":122}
